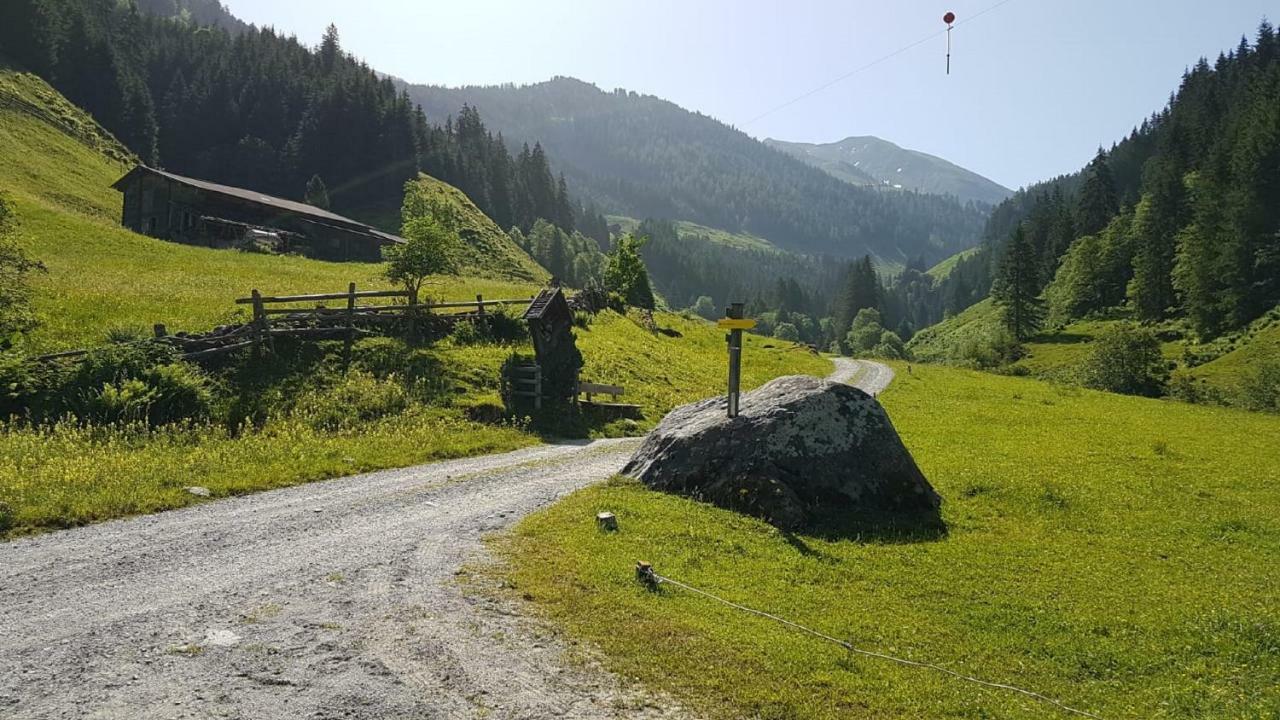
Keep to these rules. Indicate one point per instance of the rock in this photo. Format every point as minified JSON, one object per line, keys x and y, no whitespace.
{"x":800,"y":449}
{"x":199,"y":491}
{"x":221,"y":638}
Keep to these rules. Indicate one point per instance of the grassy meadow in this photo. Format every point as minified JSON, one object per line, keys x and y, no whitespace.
{"x":1121,"y":555}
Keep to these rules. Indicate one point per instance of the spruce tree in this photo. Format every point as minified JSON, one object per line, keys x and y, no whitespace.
{"x":317,"y":194}
{"x":1016,"y":290}
{"x":1098,"y":198}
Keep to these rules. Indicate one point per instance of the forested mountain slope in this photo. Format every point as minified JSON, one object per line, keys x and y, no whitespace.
{"x":1178,"y":221}
{"x":641,"y":156}
{"x":872,"y":162}
{"x":196,"y":12}
{"x":259,"y":110}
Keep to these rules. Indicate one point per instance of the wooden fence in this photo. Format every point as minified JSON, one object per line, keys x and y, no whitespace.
{"x":286,"y":315}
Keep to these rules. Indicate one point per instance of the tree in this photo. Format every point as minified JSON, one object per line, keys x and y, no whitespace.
{"x":15,"y":267}
{"x":1156,"y":222}
{"x":1017,"y":289}
{"x":705,"y":307}
{"x":1098,"y":199}
{"x":317,"y":194}
{"x":626,"y":274}
{"x":1127,"y":359}
{"x":861,"y":290}
{"x":786,"y":331}
{"x":330,"y":48}
{"x":865,"y":332}
{"x":890,"y":347}
{"x":425,"y":252}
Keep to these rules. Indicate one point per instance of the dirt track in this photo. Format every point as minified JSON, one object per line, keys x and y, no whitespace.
{"x":330,"y":600}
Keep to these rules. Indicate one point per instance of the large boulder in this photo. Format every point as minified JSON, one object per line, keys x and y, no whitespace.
{"x":800,"y":449}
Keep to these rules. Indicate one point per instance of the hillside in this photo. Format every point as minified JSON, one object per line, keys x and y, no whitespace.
{"x":1178,"y":221}
{"x":485,"y":251}
{"x":642,"y":156}
{"x":58,"y":165}
{"x":870,"y":161}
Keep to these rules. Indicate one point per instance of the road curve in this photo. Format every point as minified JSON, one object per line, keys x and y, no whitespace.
{"x":334,"y":599}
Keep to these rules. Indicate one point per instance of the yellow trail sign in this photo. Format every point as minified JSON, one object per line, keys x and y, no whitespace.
{"x":735,"y":324}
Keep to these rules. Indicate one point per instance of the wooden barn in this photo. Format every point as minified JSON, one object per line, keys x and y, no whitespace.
{"x":195,"y":212}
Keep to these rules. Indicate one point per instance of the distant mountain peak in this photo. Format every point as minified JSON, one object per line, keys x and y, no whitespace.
{"x":870,"y":161}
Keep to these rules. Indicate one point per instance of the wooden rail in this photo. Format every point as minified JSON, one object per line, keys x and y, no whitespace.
{"x":272,"y":318}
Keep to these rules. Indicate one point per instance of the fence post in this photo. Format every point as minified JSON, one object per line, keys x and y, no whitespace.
{"x":351,"y":327}
{"x":479,"y":304}
{"x":259,"y":322}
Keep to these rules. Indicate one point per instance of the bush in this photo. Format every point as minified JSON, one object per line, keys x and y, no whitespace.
{"x":1260,"y":389}
{"x":890,"y":347}
{"x":466,"y":332}
{"x":163,"y":395}
{"x":358,"y":398}
{"x":865,"y":332}
{"x":994,"y":350}
{"x":786,"y":331}
{"x":705,"y":308}
{"x":1126,"y":359}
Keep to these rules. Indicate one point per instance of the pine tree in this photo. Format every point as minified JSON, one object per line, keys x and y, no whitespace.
{"x":1016,"y":290}
{"x":317,"y":194}
{"x":330,"y":49}
{"x":1098,"y":199}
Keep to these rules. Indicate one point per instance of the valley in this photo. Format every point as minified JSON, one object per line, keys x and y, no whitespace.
{"x":416,"y":478}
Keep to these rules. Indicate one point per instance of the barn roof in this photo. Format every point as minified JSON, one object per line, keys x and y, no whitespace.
{"x":309,"y":211}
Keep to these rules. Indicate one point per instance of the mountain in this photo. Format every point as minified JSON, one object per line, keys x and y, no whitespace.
{"x":870,"y":161}
{"x":641,"y":156}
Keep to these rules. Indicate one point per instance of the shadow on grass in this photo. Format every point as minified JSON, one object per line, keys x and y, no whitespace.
{"x":874,"y":527}
{"x":564,"y":421}
{"x":1063,"y":338}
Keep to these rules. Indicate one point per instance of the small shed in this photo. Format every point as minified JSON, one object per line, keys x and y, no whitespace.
{"x":551,"y":325}
{"x":197,"y":212}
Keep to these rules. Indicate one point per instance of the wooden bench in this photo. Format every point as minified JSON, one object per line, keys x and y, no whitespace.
{"x":590,"y":390}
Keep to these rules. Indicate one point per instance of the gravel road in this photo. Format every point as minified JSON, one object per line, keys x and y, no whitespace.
{"x":335,"y":599}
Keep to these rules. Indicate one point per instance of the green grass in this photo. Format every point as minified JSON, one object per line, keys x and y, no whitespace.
{"x":946,"y":341}
{"x":1060,"y":355}
{"x":1128,"y":567}
{"x":943,"y":269}
{"x":68,"y":476}
{"x":739,"y":240}
{"x":1243,"y":354}
{"x":686,"y":360}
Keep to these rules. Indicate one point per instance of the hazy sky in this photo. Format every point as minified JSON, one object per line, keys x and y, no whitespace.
{"x":1035,"y":87}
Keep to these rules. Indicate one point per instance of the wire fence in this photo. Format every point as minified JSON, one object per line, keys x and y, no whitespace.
{"x":652,"y":578}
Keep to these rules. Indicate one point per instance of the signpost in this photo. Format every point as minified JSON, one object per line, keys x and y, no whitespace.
{"x":735,"y":324}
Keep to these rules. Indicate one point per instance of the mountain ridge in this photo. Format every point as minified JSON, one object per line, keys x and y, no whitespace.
{"x":867,"y":160}
{"x":643,"y":156}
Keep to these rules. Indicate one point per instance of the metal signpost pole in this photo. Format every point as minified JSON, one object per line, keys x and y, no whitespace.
{"x":735,"y":358}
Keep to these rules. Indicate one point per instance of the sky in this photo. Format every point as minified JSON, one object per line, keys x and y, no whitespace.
{"x":1035,"y":87}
